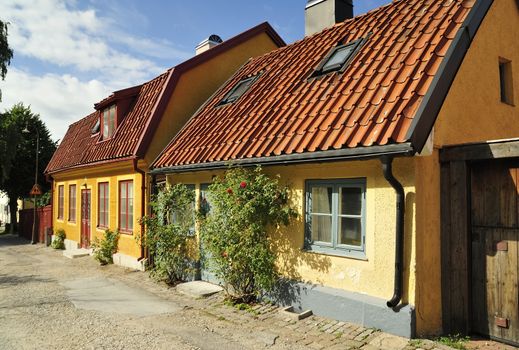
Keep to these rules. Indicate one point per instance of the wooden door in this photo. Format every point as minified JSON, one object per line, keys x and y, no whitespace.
{"x":494,"y":254}
{"x":85,"y":218}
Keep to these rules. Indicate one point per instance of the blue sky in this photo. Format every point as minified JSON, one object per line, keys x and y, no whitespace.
{"x":70,"y":54}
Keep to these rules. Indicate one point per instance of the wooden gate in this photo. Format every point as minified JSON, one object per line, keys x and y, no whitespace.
{"x":494,"y":237}
{"x":479,"y":236}
{"x":85,"y":218}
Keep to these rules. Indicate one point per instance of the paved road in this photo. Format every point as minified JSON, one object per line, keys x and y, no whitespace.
{"x":50,"y":302}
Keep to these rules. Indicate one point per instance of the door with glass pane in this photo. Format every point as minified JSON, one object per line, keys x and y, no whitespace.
{"x":206,"y":270}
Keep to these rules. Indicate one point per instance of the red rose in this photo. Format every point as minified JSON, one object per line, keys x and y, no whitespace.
{"x":229,"y":190}
{"x":224,"y":254}
{"x":243,"y":184}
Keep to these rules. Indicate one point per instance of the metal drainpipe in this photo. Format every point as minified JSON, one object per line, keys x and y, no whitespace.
{"x":399,"y":239}
{"x":143,"y":198}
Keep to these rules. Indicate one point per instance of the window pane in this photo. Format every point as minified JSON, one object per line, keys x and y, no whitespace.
{"x":123,"y":221}
{"x":130,"y":189}
{"x":321,"y":200}
{"x":350,"y":230}
{"x":321,"y":228}
{"x":339,"y":57}
{"x":105,"y":126}
{"x":350,"y":201}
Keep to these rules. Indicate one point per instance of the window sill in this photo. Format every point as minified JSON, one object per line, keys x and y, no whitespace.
{"x":102,"y":228}
{"x":342,"y":253}
{"x":124,"y":232}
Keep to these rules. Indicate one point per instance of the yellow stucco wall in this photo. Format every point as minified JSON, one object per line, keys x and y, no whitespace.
{"x":372,"y":276}
{"x":91,"y":177}
{"x":198,"y":84}
{"x":472,"y":112}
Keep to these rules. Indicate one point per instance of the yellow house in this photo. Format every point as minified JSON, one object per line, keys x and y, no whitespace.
{"x":99,"y":170}
{"x":389,"y":130}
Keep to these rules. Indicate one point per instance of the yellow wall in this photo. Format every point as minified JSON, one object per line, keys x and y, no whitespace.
{"x":472,"y":112}
{"x":113,"y":175}
{"x":198,"y":84}
{"x":374,"y":275}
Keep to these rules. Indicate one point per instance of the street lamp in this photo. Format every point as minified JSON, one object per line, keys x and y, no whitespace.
{"x":26,"y":131}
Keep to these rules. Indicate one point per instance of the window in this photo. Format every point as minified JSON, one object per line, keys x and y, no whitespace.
{"x":505,"y":81}
{"x":126,"y":206}
{"x":239,"y":89}
{"x":337,"y":59}
{"x":61,"y":201}
{"x":108,"y":122}
{"x":72,"y":203}
{"x":102,"y":217}
{"x":335,"y":214}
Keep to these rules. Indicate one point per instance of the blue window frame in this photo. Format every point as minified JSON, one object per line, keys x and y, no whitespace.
{"x":335,"y":217}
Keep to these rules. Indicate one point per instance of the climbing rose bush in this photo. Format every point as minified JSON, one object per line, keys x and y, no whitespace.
{"x":169,"y":233}
{"x":245,"y":204}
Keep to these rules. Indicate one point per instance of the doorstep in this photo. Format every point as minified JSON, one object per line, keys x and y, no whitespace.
{"x":77,"y":253}
{"x":198,"y":289}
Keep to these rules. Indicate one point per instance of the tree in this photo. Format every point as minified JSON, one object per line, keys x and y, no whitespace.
{"x":5,"y":52}
{"x":18,"y":154}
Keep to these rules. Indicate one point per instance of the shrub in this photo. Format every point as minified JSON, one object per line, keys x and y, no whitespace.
{"x":170,"y":232}
{"x":59,"y":239}
{"x":105,"y":248}
{"x":244,"y":204}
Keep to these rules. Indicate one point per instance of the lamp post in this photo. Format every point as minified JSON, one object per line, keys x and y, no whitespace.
{"x":26,"y":131}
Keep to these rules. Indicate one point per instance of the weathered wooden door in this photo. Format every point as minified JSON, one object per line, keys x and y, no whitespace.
{"x":85,"y":218}
{"x":494,"y":235}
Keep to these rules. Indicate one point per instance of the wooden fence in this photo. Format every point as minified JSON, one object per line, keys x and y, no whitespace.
{"x":43,"y":223}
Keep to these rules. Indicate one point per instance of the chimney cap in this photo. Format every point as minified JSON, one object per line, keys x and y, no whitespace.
{"x":310,"y":3}
{"x":212,"y":38}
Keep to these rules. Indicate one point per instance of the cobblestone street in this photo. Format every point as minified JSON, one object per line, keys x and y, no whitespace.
{"x":36,"y":312}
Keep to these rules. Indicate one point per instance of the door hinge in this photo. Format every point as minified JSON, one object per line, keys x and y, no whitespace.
{"x":501,"y":322}
{"x":502,"y":246}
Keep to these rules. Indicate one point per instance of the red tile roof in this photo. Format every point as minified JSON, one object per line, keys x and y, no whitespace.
{"x":373,"y":103}
{"x":132,"y":137}
{"x":80,"y":147}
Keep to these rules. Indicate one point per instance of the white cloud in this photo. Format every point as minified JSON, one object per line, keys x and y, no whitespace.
{"x":90,"y":57}
{"x":59,"y":99}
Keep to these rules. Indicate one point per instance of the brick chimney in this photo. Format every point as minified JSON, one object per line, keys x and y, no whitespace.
{"x":208,"y":43}
{"x":320,"y":14}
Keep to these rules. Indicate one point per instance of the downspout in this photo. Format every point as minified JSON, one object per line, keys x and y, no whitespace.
{"x":143,"y":201}
{"x":399,"y":230}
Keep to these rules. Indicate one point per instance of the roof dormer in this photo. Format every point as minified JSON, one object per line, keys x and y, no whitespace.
{"x":113,"y":109}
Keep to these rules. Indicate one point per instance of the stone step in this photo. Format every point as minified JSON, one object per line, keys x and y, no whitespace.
{"x":76,"y":253}
{"x":198,"y":289}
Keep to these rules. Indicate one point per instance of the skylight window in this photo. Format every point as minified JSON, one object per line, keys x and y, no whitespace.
{"x":238,"y":90}
{"x":338,"y":58}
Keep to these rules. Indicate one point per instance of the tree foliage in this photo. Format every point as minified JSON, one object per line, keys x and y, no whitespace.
{"x":6,"y":53}
{"x":169,"y":233}
{"x":18,"y":153}
{"x":245,"y":203}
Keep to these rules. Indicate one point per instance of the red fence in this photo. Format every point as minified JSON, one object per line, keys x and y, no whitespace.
{"x":43,"y":223}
